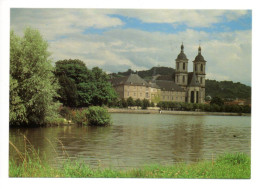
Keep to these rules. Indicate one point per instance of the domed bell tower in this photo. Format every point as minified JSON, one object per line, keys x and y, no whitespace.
{"x":181,"y":69}
{"x":199,"y":67}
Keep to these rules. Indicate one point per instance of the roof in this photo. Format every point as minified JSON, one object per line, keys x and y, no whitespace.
{"x":199,"y":57}
{"x":132,"y":79}
{"x":182,"y":56}
{"x":168,"y":85}
{"x":194,"y":81}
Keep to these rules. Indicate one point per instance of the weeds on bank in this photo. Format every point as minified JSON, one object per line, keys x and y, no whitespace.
{"x":225,"y":166}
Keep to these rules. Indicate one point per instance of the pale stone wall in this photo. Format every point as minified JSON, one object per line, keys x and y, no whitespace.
{"x":137,"y":91}
{"x":173,"y":96}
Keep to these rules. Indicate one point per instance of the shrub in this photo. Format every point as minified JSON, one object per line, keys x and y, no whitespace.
{"x":98,"y":116}
{"x":80,"y":117}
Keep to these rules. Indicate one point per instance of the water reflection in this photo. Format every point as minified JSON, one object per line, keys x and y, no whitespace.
{"x":135,"y":140}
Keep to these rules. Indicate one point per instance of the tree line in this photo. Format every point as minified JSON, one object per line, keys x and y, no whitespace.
{"x":38,"y":89}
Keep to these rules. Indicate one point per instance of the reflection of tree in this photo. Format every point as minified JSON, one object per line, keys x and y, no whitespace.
{"x":188,"y":139}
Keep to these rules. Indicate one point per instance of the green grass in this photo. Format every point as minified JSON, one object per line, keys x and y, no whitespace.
{"x":235,"y":166}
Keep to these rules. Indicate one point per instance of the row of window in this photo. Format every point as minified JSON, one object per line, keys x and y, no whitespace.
{"x":172,"y":98}
{"x":140,"y":95}
{"x":183,"y":79}
{"x":128,"y":87}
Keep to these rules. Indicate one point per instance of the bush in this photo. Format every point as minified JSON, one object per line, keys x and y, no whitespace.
{"x":98,"y":116}
{"x":80,"y":117}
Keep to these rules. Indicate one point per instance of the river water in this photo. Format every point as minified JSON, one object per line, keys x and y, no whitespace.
{"x":135,"y":140}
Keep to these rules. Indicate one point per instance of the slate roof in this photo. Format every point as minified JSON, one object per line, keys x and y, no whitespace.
{"x":168,"y":85}
{"x":182,"y":56}
{"x":132,"y":79}
{"x":194,"y":81}
{"x":199,"y":57}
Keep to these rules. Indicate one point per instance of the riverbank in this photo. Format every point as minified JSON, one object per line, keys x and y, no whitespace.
{"x":140,"y":111}
{"x":230,"y":166}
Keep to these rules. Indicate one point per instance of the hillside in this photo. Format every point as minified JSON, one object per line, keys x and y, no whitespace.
{"x":227,"y":89}
{"x":223,"y":89}
{"x":147,"y":74}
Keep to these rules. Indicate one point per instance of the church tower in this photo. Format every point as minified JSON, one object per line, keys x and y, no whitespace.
{"x":199,"y":67}
{"x":181,"y":69}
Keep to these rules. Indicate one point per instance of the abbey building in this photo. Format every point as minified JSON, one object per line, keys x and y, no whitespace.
{"x":180,"y":86}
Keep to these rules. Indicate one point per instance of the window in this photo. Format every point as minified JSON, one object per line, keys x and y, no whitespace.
{"x":201,"y":80}
{"x":134,"y":94}
{"x":140,"y":94}
{"x":183,"y":66}
{"x":147,"y":95}
{"x":177,"y":78}
{"x":201,"y":67}
{"x":183,"y":79}
{"x":195,"y":67}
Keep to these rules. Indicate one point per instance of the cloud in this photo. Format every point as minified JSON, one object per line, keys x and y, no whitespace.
{"x":228,"y":54}
{"x":61,"y":22}
{"x":192,"y":18}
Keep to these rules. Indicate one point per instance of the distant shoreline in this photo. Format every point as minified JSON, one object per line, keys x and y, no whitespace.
{"x":140,"y":111}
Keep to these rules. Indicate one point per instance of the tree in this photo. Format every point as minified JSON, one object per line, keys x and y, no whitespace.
{"x":32,"y":83}
{"x":73,"y":76}
{"x":130,"y":101}
{"x":217,"y":100}
{"x":85,"y":87}
{"x":103,"y":92}
{"x":145,"y":103}
{"x":138,"y":102}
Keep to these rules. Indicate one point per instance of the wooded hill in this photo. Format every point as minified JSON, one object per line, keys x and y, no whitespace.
{"x":222,"y":89}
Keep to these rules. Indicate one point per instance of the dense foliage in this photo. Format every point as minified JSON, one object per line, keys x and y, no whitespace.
{"x":122,"y":103}
{"x":227,"y":89}
{"x":98,"y":116}
{"x":147,"y":73}
{"x":32,"y":83}
{"x":181,"y":106}
{"x":81,"y":87}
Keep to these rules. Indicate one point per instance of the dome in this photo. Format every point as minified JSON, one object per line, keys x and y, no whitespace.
{"x":182,"y":56}
{"x":200,"y":58}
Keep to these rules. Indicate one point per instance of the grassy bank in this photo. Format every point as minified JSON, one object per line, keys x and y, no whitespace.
{"x":226,"y":166}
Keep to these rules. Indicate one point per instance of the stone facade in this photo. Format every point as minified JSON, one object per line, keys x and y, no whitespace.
{"x":184,"y":86}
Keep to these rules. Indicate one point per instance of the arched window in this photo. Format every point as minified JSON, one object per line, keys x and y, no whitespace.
{"x":201,"y":67}
{"x":183,"y":66}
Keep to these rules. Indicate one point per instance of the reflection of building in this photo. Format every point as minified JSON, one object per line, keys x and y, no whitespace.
{"x":181,"y":86}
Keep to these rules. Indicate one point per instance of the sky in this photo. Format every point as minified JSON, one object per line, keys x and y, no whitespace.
{"x":138,"y":39}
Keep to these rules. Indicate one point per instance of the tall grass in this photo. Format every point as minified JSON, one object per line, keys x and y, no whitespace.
{"x":235,"y":166}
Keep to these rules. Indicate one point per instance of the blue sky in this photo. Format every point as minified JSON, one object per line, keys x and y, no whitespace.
{"x":119,"y":39}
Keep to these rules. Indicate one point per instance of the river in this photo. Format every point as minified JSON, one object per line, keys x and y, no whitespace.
{"x":135,"y":140}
